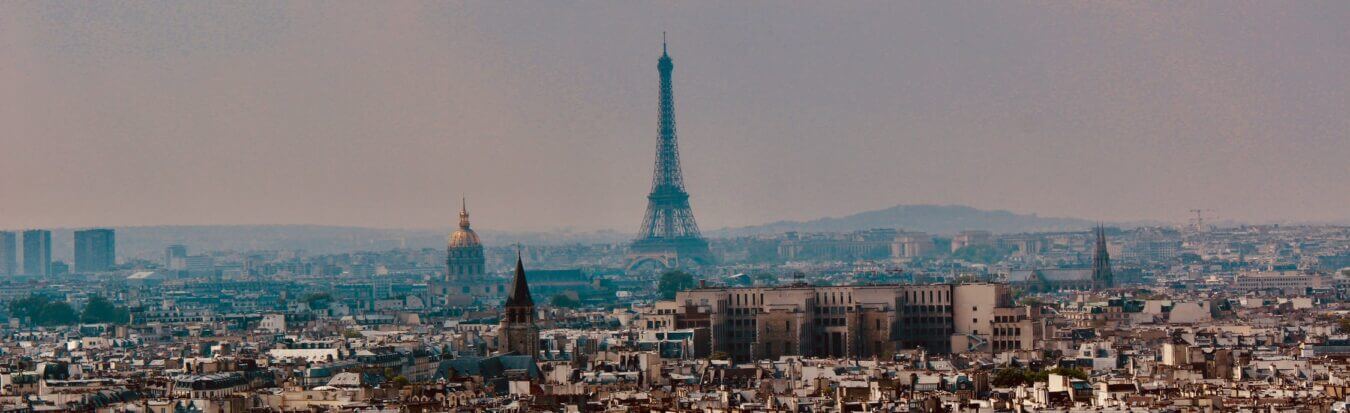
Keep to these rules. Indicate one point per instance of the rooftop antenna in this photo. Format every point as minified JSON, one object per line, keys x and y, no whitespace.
{"x":663,"y":42}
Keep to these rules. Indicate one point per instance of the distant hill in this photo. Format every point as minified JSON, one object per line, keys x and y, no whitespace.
{"x":935,"y":219}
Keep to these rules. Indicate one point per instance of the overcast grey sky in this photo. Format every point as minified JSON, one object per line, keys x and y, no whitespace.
{"x":544,"y":113}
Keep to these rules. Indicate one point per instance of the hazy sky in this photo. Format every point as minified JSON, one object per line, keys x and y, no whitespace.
{"x":544,"y":113}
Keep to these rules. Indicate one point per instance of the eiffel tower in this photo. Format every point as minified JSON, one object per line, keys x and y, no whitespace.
{"x":669,"y":237}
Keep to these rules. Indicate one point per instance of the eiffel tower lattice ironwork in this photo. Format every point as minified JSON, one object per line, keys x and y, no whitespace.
{"x":669,"y":236}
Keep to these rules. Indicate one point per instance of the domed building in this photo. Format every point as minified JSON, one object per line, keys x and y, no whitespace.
{"x":466,"y":281}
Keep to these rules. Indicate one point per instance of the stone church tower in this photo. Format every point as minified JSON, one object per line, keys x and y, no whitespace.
{"x":518,"y":331}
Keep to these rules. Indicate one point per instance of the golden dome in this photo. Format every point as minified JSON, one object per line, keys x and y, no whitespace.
{"x":463,"y":237}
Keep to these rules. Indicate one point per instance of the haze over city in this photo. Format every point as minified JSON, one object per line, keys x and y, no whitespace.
{"x":291,"y":206}
{"x":544,"y":114}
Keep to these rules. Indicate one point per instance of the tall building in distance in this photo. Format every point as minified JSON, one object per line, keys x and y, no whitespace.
{"x":520,"y":333}
{"x":669,"y":237}
{"x":9,"y":253}
{"x":95,"y":250}
{"x":1101,"y":262}
{"x":37,"y":252}
{"x":175,"y":257}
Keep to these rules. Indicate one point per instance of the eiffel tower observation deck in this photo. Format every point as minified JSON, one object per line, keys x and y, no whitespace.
{"x":669,"y":237}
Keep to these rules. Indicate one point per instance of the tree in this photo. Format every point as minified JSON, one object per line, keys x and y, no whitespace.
{"x":564,"y":301}
{"x":675,"y":281}
{"x":1032,"y":301}
{"x":100,"y":310}
{"x":1009,"y":377}
{"x":317,"y":301}
{"x":942,"y":244}
{"x":43,"y":311}
{"x":984,"y":254}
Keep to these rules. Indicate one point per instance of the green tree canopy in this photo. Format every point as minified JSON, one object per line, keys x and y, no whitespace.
{"x":1012,"y":376}
{"x":984,"y":254}
{"x":564,"y":301}
{"x":675,"y":281}
{"x":43,"y":311}
{"x":317,"y":301}
{"x":100,"y":310}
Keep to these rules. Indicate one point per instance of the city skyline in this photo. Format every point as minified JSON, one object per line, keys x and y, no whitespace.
{"x":384,"y":117}
{"x":415,"y":206}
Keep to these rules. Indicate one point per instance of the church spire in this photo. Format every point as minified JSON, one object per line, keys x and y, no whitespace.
{"x":1101,"y":261}
{"x":519,"y":296}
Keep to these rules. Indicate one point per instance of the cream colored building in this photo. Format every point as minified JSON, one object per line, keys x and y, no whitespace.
{"x":849,"y":321}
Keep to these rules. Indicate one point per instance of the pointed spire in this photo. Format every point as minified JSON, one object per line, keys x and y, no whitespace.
{"x":519,"y":296}
{"x":464,"y":213}
{"x":663,"y":44}
{"x":1101,"y":260}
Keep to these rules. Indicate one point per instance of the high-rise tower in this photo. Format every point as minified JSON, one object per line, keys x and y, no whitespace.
{"x":1101,"y":262}
{"x":95,"y":250}
{"x":37,"y":252}
{"x":9,"y":253}
{"x":669,"y":236}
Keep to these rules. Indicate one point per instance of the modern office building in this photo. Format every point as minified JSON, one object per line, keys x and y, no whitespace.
{"x":95,"y":250}
{"x":9,"y":253}
{"x":37,"y":252}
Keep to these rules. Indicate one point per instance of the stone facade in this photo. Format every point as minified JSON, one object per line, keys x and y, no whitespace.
{"x":851,"y":321}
